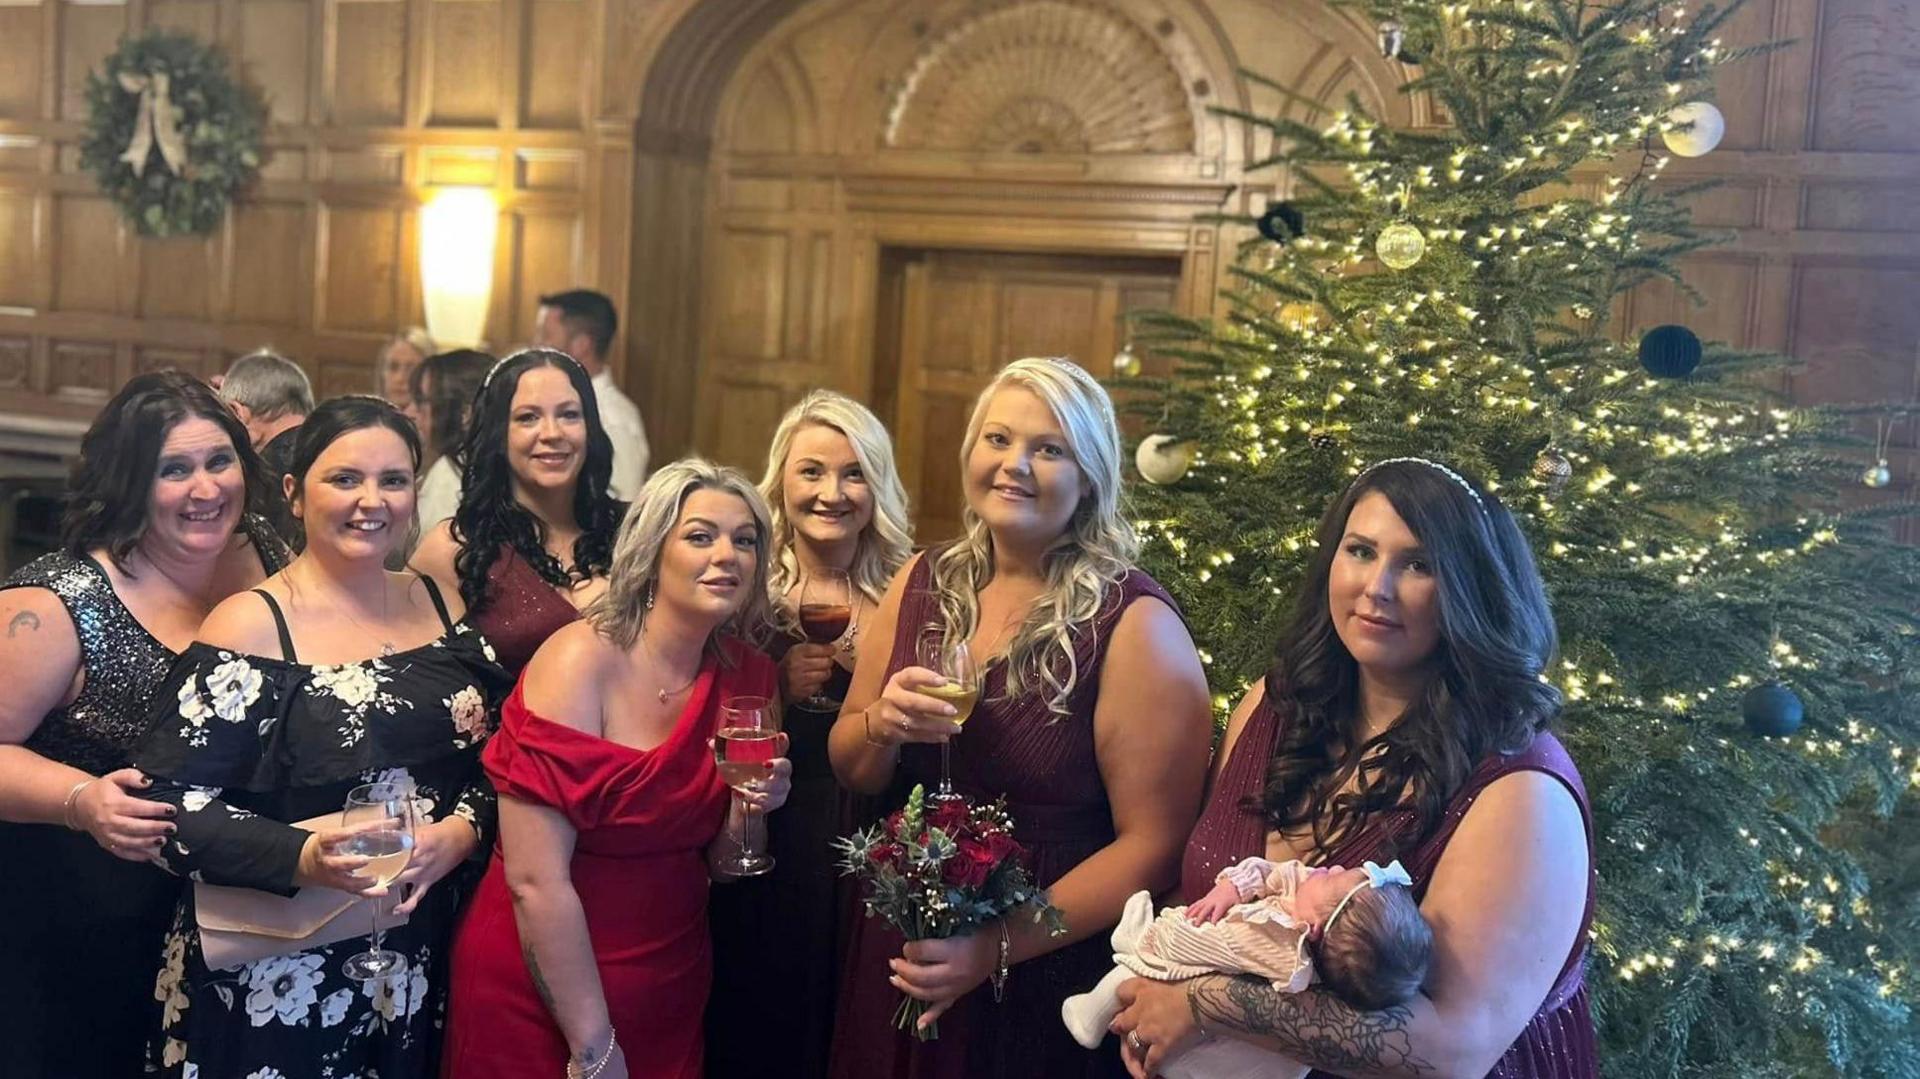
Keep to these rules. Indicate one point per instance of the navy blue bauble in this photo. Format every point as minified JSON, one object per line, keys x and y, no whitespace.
{"x":1282,"y":222}
{"x":1772,"y":709}
{"x":1670,"y":351}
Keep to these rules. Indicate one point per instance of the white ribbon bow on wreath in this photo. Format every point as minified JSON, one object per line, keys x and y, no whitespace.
{"x":158,"y":122}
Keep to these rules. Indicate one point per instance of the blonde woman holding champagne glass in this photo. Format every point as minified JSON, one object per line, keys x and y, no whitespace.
{"x":1092,"y":721}
{"x":332,"y":674}
{"x":840,"y":532}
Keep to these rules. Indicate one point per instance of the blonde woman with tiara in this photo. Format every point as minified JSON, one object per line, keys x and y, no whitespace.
{"x":840,"y":532}
{"x":1092,"y":722}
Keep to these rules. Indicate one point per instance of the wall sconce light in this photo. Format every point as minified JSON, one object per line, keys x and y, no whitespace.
{"x":457,"y":228}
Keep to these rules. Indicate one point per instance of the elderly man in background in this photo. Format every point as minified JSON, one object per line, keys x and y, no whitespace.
{"x":272,"y":397}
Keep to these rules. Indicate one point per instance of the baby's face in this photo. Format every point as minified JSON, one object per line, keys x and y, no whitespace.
{"x":1323,"y":890}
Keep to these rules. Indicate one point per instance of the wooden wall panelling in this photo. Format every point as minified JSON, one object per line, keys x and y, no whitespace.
{"x":366,"y":61}
{"x":466,"y":52}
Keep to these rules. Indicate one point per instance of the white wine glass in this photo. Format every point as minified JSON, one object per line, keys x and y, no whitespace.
{"x":744,"y":751}
{"x":382,"y":817}
{"x":952,"y":661}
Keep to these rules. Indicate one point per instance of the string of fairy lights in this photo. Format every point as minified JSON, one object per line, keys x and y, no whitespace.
{"x":1332,"y":347}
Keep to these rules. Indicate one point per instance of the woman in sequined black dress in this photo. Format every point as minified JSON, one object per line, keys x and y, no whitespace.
{"x":158,"y":531}
{"x":532,"y":541}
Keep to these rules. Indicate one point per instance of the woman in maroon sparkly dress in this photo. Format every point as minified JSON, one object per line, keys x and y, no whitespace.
{"x":532,"y":541}
{"x":1405,"y":717}
{"x":1092,"y":722}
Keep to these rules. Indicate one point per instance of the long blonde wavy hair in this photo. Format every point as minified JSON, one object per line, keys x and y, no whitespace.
{"x":619,"y":611}
{"x":887,"y":541}
{"x":1094,"y":554}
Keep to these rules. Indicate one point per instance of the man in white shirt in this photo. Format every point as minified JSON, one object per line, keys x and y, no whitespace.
{"x":581,"y":323}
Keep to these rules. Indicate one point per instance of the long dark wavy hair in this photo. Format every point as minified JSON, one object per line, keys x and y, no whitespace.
{"x":112,"y":483}
{"x":1483,"y":695}
{"x":490,"y":518}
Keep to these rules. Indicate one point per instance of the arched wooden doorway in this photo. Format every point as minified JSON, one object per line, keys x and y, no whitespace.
{"x":894,"y":198}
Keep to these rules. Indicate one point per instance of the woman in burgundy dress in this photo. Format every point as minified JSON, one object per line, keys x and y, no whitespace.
{"x":837,"y":504}
{"x":532,"y":540}
{"x":1405,"y":717}
{"x":586,"y":946}
{"x":1093,"y":723}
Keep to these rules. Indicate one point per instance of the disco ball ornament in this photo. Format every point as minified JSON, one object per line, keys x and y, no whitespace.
{"x":1707,"y":128}
{"x":1163,"y":459}
{"x":1879,"y":475}
{"x":1125,"y":363}
{"x":1772,"y":710}
{"x":1553,"y":469}
{"x":1400,"y":245}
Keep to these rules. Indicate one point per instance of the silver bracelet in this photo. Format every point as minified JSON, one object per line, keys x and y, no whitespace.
{"x":575,"y":1071}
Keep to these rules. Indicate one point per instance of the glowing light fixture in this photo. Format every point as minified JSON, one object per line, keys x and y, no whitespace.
{"x":457,"y":228}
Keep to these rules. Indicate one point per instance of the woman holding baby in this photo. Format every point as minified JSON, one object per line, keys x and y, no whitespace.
{"x":1404,"y":719}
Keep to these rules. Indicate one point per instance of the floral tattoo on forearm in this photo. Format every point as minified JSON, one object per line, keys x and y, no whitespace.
{"x":1312,"y":1027}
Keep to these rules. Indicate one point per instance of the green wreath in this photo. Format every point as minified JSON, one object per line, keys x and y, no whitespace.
{"x":170,"y":135}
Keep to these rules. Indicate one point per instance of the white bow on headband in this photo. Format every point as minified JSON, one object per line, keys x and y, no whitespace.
{"x":158,"y":122}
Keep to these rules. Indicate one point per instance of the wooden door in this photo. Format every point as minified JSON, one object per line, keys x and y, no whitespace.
{"x":964,"y":315}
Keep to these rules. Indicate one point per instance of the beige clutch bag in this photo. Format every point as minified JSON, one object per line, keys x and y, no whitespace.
{"x":241,"y":925}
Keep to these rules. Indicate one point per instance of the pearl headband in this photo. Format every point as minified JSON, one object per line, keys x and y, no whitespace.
{"x":1438,"y":467}
{"x":505,"y":360}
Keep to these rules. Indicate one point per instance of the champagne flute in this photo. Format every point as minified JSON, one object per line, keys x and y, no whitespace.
{"x":826,"y":609}
{"x":382,"y":815}
{"x":952,"y":661}
{"x":743,"y":751}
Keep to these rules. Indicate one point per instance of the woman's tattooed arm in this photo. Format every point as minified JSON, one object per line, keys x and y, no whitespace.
{"x":1312,"y":1027}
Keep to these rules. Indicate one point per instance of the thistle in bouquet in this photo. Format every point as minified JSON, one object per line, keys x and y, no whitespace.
{"x":943,"y":870}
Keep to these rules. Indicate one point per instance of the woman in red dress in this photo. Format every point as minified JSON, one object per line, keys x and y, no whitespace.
{"x":1405,"y":717}
{"x":586,"y":945}
{"x":1092,"y":723}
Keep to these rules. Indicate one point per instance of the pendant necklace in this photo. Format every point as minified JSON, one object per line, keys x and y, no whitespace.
{"x":654,"y":662}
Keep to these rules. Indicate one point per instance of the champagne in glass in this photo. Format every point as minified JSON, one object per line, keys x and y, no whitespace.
{"x":826,"y":610}
{"x":744,"y":750}
{"x":382,"y":815}
{"x":952,"y":661}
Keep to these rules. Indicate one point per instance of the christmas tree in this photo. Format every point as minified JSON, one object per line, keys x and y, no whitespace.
{"x":1738,"y":644}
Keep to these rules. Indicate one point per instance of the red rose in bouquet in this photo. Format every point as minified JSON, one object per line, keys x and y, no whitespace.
{"x":943,"y":871}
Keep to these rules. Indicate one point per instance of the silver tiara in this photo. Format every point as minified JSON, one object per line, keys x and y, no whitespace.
{"x":505,"y":360}
{"x":1437,"y":467}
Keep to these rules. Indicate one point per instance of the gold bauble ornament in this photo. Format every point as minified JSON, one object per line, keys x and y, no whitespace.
{"x":1879,"y":475}
{"x":1553,"y":469}
{"x":1400,"y":245}
{"x":1125,"y":363}
{"x":1298,"y":316}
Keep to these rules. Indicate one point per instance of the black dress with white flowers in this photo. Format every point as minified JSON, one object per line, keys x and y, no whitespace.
{"x":244,"y":745}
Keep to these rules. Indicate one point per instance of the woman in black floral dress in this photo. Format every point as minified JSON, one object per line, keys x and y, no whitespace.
{"x":333,"y":674}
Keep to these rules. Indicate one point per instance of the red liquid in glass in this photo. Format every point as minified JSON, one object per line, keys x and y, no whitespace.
{"x":824,"y":623}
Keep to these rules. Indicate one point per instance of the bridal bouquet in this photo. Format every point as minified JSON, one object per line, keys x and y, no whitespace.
{"x":943,"y":870}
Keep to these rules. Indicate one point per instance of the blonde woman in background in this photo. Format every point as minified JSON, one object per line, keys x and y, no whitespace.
{"x":838,"y":508}
{"x":393,"y":365}
{"x":1092,"y":721}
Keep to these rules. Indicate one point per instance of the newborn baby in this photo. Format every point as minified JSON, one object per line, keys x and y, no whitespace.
{"x":1358,"y":930}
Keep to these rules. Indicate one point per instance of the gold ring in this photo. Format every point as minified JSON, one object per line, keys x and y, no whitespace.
{"x":1133,"y":1039}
